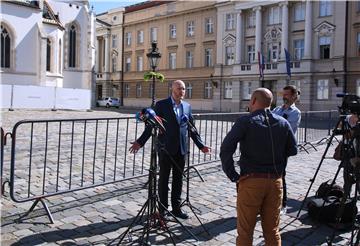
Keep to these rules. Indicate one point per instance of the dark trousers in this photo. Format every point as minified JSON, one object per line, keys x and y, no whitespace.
{"x":176,"y":163}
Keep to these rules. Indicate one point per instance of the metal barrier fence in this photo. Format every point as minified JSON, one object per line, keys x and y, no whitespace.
{"x":315,"y":127}
{"x":51,"y":157}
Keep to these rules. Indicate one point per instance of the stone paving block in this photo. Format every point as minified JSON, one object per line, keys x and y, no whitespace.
{"x":24,"y":232}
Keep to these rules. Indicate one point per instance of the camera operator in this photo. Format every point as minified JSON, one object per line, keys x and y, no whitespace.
{"x":293,"y":115}
{"x":350,"y":156}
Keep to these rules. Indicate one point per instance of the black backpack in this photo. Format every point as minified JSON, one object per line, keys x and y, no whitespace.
{"x":326,"y":190}
{"x":326,"y":203}
{"x":325,"y":210}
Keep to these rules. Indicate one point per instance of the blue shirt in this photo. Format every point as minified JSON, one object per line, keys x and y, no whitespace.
{"x":292,"y":114}
{"x":178,"y":109}
{"x":263,"y":149}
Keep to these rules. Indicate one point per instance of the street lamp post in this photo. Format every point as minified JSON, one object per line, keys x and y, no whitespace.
{"x":154,"y":58}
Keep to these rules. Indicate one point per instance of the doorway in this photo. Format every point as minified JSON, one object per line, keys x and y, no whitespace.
{"x":99,"y":91}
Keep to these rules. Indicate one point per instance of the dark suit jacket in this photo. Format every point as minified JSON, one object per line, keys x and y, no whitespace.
{"x":176,"y":134}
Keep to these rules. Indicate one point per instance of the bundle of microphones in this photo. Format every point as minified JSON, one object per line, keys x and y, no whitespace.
{"x":149,"y":117}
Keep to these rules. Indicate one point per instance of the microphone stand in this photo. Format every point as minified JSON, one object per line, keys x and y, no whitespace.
{"x":151,"y":207}
{"x":187,"y":202}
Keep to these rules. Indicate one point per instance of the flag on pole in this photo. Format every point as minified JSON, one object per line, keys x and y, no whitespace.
{"x":287,"y":59}
{"x":261,"y":62}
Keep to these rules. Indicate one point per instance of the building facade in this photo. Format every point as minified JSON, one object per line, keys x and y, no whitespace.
{"x":313,"y":32}
{"x":47,"y":52}
{"x":109,"y":47}
{"x":185,"y":33}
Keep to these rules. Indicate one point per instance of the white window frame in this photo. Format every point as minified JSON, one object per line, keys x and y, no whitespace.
{"x":189,"y":59}
{"x":207,"y":90}
{"x":150,"y":90}
{"x":113,"y":62}
{"x":299,"y":11}
{"x":246,"y":90}
{"x":127,"y":90}
{"x":128,"y":64}
{"x":274,"y":15}
{"x":114,"y":41}
{"x":140,"y":36}
{"x":251,"y":19}
{"x":251,"y":53}
{"x":139,"y":63}
{"x":322,"y":92}
{"x":138,"y":90}
{"x":190,"y":29}
{"x":324,"y":41}
{"x":153,"y":34}
{"x":209,"y":25}
{"x":274,"y":50}
{"x":298,"y":50}
{"x":358,"y":87}
{"x":172,"y":31}
{"x":172,"y":60}
{"x":189,"y":90}
{"x":228,"y":90}
{"x":208,"y":57}
{"x":325,"y":8}
{"x":230,"y":21}
{"x":128,"y":38}
{"x":229,"y":55}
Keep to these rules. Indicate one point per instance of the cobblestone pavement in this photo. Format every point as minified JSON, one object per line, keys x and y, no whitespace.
{"x":97,"y":216}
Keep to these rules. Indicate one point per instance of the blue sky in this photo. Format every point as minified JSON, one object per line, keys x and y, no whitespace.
{"x":101,"y":6}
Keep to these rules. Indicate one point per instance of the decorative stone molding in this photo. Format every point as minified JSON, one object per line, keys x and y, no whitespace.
{"x":229,"y":40}
{"x":324,"y":29}
{"x":273,"y":34}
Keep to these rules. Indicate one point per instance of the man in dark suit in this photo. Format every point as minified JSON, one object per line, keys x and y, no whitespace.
{"x":176,"y":114}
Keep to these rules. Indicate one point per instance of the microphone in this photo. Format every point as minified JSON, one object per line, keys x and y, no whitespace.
{"x":185,"y":119}
{"x":341,"y":94}
{"x":149,"y":117}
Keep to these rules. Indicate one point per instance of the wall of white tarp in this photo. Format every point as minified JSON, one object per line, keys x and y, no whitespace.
{"x":41,"y":97}
{"x":5,"y":99}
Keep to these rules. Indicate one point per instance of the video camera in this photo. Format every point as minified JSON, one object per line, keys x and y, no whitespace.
{"x":350,"y":104}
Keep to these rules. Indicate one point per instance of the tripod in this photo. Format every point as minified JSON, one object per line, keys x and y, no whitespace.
{"x":187,"y":202}
{"x":341,"y":123}
{"x":153,"y":220}
{"x":351,"y":176}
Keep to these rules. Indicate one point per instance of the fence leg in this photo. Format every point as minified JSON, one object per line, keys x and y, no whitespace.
{"x":197,"y":172}
{"x":48,"y":213}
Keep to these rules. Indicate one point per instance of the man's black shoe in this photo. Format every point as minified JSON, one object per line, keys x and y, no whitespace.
{"x":180,"y":214}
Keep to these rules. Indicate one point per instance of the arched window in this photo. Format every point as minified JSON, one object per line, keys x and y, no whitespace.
{"x":189,"y":90}
{"x":5,"y":48}
{"x":60,"y":56}
{"x":48,"y":55}
{"x":72,"y":46}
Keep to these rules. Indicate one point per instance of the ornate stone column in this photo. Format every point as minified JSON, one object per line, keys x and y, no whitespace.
{"x":239,"y":37}
{"x":258,"y":31}
{"x":308,"y":30}
{"x":107,"y":52}
{"x":284,"y":28}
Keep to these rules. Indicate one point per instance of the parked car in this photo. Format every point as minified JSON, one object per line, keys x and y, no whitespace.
{"x":108,"y":102}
